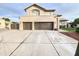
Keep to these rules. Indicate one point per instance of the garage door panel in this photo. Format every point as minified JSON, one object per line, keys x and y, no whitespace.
{"x":27,"y":25}
{"x":44,"y":25}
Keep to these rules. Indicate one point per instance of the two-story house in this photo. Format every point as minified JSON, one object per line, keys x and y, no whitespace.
{"x":38,"y":18}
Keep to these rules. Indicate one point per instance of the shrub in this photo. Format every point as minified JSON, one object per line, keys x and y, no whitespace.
{"x":77,"y":29}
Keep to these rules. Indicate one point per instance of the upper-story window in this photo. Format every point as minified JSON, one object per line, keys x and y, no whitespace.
{"x":35,"y":12}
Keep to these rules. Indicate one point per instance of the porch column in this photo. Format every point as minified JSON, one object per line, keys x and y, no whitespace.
{"x":32,"y":25}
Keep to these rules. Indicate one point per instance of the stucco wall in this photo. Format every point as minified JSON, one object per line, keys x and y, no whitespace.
{"x":3,"y":24}
{"x":42,"y":12}
{"x":43,"y":17}
{"x":38,"y":19}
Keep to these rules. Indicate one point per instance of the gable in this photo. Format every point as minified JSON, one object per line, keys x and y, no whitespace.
{"x":39,"y":7}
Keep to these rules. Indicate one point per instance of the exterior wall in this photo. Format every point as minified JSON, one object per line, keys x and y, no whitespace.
{"x":43,"y":17}
{"x":29,"y":11}
{"x":3,"y":24}
{"x":38,"y":19}
{"x":21,"y":25}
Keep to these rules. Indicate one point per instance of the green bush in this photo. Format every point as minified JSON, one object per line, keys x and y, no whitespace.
{"x":77,"y":29}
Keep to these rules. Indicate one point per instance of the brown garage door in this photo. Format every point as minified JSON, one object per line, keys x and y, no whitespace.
{"x":27,"y":25}
{"x":44,"y":25}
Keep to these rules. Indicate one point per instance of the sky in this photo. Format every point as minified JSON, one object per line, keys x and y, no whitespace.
{"x":13,"y":11}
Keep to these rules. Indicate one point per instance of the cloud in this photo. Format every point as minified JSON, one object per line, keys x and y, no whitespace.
{"x":14,"y":10}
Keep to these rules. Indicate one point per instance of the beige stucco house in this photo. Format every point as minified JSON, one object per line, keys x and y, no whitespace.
{"x":39,"y":18}
{"x":4,"y":24}
{"x":8,"y":24}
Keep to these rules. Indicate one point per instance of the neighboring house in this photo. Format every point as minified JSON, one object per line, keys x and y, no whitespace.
{"x":8,"y":24}
{"x":63,"y":23}
{"x":14,"y":25}
{"x":38,"y":18}
{"x":4,"y":24}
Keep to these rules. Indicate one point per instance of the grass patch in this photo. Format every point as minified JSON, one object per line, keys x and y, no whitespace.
{"x":69,"y":29}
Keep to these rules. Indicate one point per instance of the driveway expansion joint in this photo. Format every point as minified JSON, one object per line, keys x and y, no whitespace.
{"x":20,"y":44}
{"x":52,"y":44}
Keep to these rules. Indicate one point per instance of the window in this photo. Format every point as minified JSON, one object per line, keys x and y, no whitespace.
{"x":36,"y":12}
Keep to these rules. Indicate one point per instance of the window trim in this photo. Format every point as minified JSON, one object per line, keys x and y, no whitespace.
{"x":37,"y":12}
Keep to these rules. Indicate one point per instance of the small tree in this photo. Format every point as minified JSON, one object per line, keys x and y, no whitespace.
{"x":6,"y":19}
{"x":76,"y":22}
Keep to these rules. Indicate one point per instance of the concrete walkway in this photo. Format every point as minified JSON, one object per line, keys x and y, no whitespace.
{"x":36,"y":43}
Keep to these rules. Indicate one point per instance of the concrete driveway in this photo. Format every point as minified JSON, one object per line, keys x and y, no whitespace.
{"x":36,"y":43}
